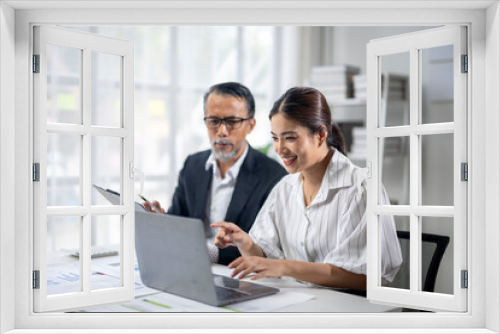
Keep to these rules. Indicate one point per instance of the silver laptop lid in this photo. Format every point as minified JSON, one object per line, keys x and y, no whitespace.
{"x":173,"y":256}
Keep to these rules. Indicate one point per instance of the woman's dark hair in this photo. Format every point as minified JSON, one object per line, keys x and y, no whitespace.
{"x":308,"y":107}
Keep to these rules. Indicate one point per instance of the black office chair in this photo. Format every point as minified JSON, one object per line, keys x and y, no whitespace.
{"x":439,"y":241}
{"x":402,"y":279}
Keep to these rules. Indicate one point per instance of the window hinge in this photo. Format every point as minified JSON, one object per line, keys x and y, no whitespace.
{"x":464,"y":171}
{"x":465,"y":279}
{"x":36,"y":279}
{"x":36,"y":172}
{"x":465,"y":64}
{"x":36,"y":63}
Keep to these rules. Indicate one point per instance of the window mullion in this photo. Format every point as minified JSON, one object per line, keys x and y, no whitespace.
{"x":240,"y":52}
{"x":415,"y":170}
{"x":86,"y":171}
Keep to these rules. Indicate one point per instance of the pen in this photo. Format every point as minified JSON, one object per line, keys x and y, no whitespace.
{"x":153,"y":207}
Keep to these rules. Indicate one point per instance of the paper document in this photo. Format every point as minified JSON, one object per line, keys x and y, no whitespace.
{"x":165,"y":302}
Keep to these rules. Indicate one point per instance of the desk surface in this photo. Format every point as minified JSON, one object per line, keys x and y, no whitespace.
{"x":326,"y":300}
{"x":318,"y":299}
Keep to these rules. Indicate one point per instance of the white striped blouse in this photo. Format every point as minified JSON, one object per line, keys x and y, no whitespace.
{"x":332,"y":229}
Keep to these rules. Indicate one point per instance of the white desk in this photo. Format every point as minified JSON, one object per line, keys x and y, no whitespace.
{"x":321,"y":300}
{"x":325,"y":300}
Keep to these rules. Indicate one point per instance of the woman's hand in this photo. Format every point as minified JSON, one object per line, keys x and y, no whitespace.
{"x":153,"y":206}
{"x":263,"y":267}
{"x":231,"y":234}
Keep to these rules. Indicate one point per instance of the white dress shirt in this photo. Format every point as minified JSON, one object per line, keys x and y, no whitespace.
{"x":220,"y":196}
{"x":332,"y":229}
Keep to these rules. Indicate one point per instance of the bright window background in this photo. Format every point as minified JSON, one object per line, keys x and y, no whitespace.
{"x":174,"y":67}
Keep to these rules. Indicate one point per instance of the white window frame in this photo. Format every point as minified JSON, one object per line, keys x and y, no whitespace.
{"x":412,"y":44}
{"x":124,"y":52}
{"x":484,"y":212}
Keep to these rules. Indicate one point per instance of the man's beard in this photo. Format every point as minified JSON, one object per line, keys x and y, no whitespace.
{"x":221,"y":155}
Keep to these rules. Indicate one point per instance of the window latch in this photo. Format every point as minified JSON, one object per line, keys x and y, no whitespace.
{"x":132,"y":171}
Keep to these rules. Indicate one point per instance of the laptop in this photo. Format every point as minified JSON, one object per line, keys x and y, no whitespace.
{"x":173,"y":257}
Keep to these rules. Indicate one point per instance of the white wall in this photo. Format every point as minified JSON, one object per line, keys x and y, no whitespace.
{"x":492,"y":161}
{"x":7,"y":159}
{"x":474,"y":320}
{"x":349,"y":44}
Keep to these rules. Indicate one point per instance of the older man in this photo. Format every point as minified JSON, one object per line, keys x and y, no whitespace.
{"x":231,"y":181}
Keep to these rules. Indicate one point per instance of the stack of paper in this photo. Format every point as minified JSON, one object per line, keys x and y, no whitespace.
{"x":358,"y":146}
{"x":392,"y":145}
{"x":359,"y":83}
{"x":334,"y":81}
{"x":397,"y":86}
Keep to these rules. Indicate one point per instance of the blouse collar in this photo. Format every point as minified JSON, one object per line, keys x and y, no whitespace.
{"x":339,"y":174}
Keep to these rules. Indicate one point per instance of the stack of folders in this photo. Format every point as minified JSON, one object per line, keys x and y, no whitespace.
{"x":397,"y":86}
{"x":359,"y":83}
{"x":334,"y":81}
{"x":358,"y":146}
{"x":392,"y":145}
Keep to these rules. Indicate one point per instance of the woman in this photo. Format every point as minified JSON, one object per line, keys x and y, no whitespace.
{"x":313,"y":225}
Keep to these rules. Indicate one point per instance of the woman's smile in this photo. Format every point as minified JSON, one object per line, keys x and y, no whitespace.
{"x":289,"y":160}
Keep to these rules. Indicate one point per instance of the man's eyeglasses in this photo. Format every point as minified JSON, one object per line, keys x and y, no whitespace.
{"x":232,"y":123}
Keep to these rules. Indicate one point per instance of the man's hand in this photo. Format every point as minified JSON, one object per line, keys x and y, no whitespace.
{"x":263,"y":267}
{"x":153,"y":206}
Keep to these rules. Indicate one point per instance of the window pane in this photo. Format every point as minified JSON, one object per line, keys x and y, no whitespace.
{"x":390,"y":248}
{"x":437,"y":84}
{"x":174,"y":67}
{"x":63,"y":169}
{"x":402,"y":278}
{"x":63,"y":84}
{"x":154,"y":149}
{"x":63,"y":270}
{"x":395,"y":169}
{"x":437,"y":170}
{"x":106,"y":236}
{"x":394,"y":108}
{"x":436,"y":232}
{"x":106,"y":166}
{"x":106,"y":89}
{"x":203,"y":62}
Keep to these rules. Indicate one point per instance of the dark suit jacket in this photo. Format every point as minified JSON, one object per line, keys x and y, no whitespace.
{"x":257,"y":176}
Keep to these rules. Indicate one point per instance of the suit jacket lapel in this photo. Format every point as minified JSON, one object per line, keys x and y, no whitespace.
{"x":204,"y":180}
{"x":243,"y":189}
